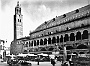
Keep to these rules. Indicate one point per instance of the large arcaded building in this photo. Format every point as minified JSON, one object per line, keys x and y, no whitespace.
{"x":71,"y":30}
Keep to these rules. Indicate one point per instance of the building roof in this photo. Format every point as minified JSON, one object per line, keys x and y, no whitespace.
{"x":48,"y":24}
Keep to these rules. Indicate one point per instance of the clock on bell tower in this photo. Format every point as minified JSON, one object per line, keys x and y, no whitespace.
{"x":18,"y":24}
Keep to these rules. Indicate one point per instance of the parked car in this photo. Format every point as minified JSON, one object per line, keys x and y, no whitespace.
{"x":24,"y":63}
{"x":12,"y":62}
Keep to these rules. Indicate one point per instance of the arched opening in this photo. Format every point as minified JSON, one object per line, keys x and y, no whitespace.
{"x":51,"y":49}
{"x":78,"y":36}
{"x":57,"y":39}
{"x":69,"y":48}
{"x":49,"y":40}
{"x":85,"y":34}
{"x":72,"y":37}
{"x":45,"y":41}
{"x":43,"y":49}
{"x":81,"y":53}
{"x":37,"y":42}
{"x":34,"y":43}
{"x":75,"y":53}
{"x":41,"y":42}
{"x":53,"y":40}
{"x":25,"y":51}
{"x":66,"y":38}
{"x":61,"y":39}
{"x":82,"y":46}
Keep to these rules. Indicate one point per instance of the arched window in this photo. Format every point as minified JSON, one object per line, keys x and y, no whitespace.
{"x":61,"y":39}
{"x":78,"y":36}
{"x":72,"y":37}
{"x":53,"y":40}
{"x":85,"y":34}
{"x":66,"y":38}
{"x":41,"y":42}
{"x":45,"y":41}
{"x":49,"y":40}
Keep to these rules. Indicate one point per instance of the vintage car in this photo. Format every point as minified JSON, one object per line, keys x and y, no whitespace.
{"x":12,"y":62}
{"x":24,"y":63}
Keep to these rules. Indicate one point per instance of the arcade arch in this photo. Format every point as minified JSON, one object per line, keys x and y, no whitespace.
{"x":41,"y":42}
{"x":72,"y":37}
{"x":66,"y":38}
{"x":69,"y":48}
{"x":61,"y":38}
{"x":85,"y":34}
{"x":82,"y":46}
{"x":45,"y":41}
{"x":57,"y":39}
{"x":81,"y":53}
{"x":49,"y":40}
{"x":78,"y":36}
{"x":53,"y":40}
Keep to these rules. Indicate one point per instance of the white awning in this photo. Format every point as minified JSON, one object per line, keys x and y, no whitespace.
{"x":43,"y":54}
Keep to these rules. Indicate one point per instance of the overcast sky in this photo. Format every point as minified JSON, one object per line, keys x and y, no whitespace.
{"x":34,"y":12}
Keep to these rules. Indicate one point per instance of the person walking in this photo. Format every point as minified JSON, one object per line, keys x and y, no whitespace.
{"x":38,"y":58}
{"x":53,"y":62}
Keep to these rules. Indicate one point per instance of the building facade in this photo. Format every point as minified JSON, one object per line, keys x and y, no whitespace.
{"x":70,"y":30}
{"x":2,"y":49}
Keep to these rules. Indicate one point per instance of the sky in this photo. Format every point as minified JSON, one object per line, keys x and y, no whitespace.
{"x":35,"y":12}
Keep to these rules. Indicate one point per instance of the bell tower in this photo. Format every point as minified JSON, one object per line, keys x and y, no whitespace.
{"x":18,"y":22}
